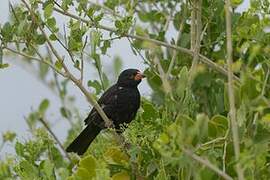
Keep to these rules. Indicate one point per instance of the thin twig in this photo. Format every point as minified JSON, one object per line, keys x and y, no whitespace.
{"x":193,"y":25}
{"x":13,"y":11}
{"x":45,"y":124}
{"x":181,"y":27}
{"x":105,"y":8}
{"x":141,"y":56}
{"x":224,"y":156}
{"x":58,"y":87}
{"x":89,"y":97}
{"x":63,"y":45}
{"x":207,"y":163}
{"x":196,"y":38}
{"x":165,"y":83}
{"x":82,"y":59}
{"x":143,"y":9}
{"x":225,"y":151}
{"x":211,"y":142}
{"x":234,"y":124}
{"x":36,"y":59}
{"x":77,"y":82}
{"x":203,"y":58}
{"x":169,"y":18}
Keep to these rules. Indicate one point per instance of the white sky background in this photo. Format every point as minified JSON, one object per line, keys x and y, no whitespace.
{"x":20,"y":90}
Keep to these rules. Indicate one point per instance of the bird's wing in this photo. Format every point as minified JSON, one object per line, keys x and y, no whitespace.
{"x":107,"y":96}
{"x":107,"y":100}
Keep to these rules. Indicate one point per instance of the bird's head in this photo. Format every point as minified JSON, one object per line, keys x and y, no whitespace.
{"x":130,"y":78}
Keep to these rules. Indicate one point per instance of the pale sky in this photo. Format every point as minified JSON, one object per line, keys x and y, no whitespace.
{"x":20,"y":90}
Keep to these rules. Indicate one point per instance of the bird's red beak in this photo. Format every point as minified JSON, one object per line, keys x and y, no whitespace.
{"x":139,"y":76}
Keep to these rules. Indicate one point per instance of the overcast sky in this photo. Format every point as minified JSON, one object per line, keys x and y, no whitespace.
{"x":20,"y":90}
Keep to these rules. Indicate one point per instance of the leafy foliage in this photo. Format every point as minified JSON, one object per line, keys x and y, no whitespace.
{"x":194,"y":115}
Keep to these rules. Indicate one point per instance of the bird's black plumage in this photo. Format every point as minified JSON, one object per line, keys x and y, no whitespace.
{"x":120,"y":103}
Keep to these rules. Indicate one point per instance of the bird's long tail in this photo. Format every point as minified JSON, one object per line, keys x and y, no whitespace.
{"x":85,"y":138}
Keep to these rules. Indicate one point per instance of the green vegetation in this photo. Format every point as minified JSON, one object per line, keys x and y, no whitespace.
{"x":184,"y":130}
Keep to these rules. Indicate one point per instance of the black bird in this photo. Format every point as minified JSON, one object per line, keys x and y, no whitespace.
{"x":120,"y":103}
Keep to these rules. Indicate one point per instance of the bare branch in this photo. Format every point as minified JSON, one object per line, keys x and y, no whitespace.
{"x":234,"y":124}
{"x":36,"y":59}
{"x":89,"y":97}
{"x":204,"y":59}
{"x":45,"y":124}
{"x":82,"y":59}
{"x":165,"y":83}
{"x":105,"y":8}
{"x":181,"y":27}
{"x":196,"y":38}
{"x":63,"y":45}
{"x":224,"y":156}
{"x":193,"y":25}
{"x":207,"y":163}
{"x":108,"y":123}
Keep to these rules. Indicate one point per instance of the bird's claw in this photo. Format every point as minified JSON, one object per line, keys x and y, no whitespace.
{"x":109,"y":124}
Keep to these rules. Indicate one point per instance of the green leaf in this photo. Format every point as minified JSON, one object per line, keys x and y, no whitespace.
{"x":7,"y":31}
{"x":40,"y":39}
{"x":266,"y":118}
{"x":43,"y":70}
{"x":140,"y":31}
{"x":182,"y":82}
{"x":44,"y":106}
{"x":262,"y":134}
{"x":77,"y":64}
{"x":118,"y":24}
{"x":123,"y":25}
{"x":27,"y":170}
{"x":83,"y":173}
{"x":95,"y":40}
{"x":3,"y":66}
{"x":48,"y":10}
{"x":57,"y":157}
{"x":95,"y":84}
{"x":51,"y":22}
{"x":105,"y":80}
{"x":218,"y":125}
{"x":9,"y":136}
{"x":177,"y":20}
{"x":106,"y":45}
{"x":164,"y":138}
{"x":98,"y":18}
{"x":89,"y":162}
{"x":65,"y":112}
{"x":149,"y":111}
{"x":96,"y":57}
{"x":58,"y":65}
{"x":236,"y":3}
{"x":19,"y":148}
{"x":53,"y":37}
{"x":117,"y":65}
{"x":201,"y":126}
{"x":116,"y":155}
{"x":48,"y":168}
{"x":87,"y":168}
{"x":121,"y":176}
{"x":91,"y":11}
{"x":77,"y":30}
{"x":66,"y":3}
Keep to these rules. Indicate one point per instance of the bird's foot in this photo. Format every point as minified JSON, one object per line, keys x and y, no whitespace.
{"x":109,"y":124}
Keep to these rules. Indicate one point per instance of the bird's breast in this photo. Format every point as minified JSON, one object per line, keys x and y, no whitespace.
{"x":127,"y":104}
